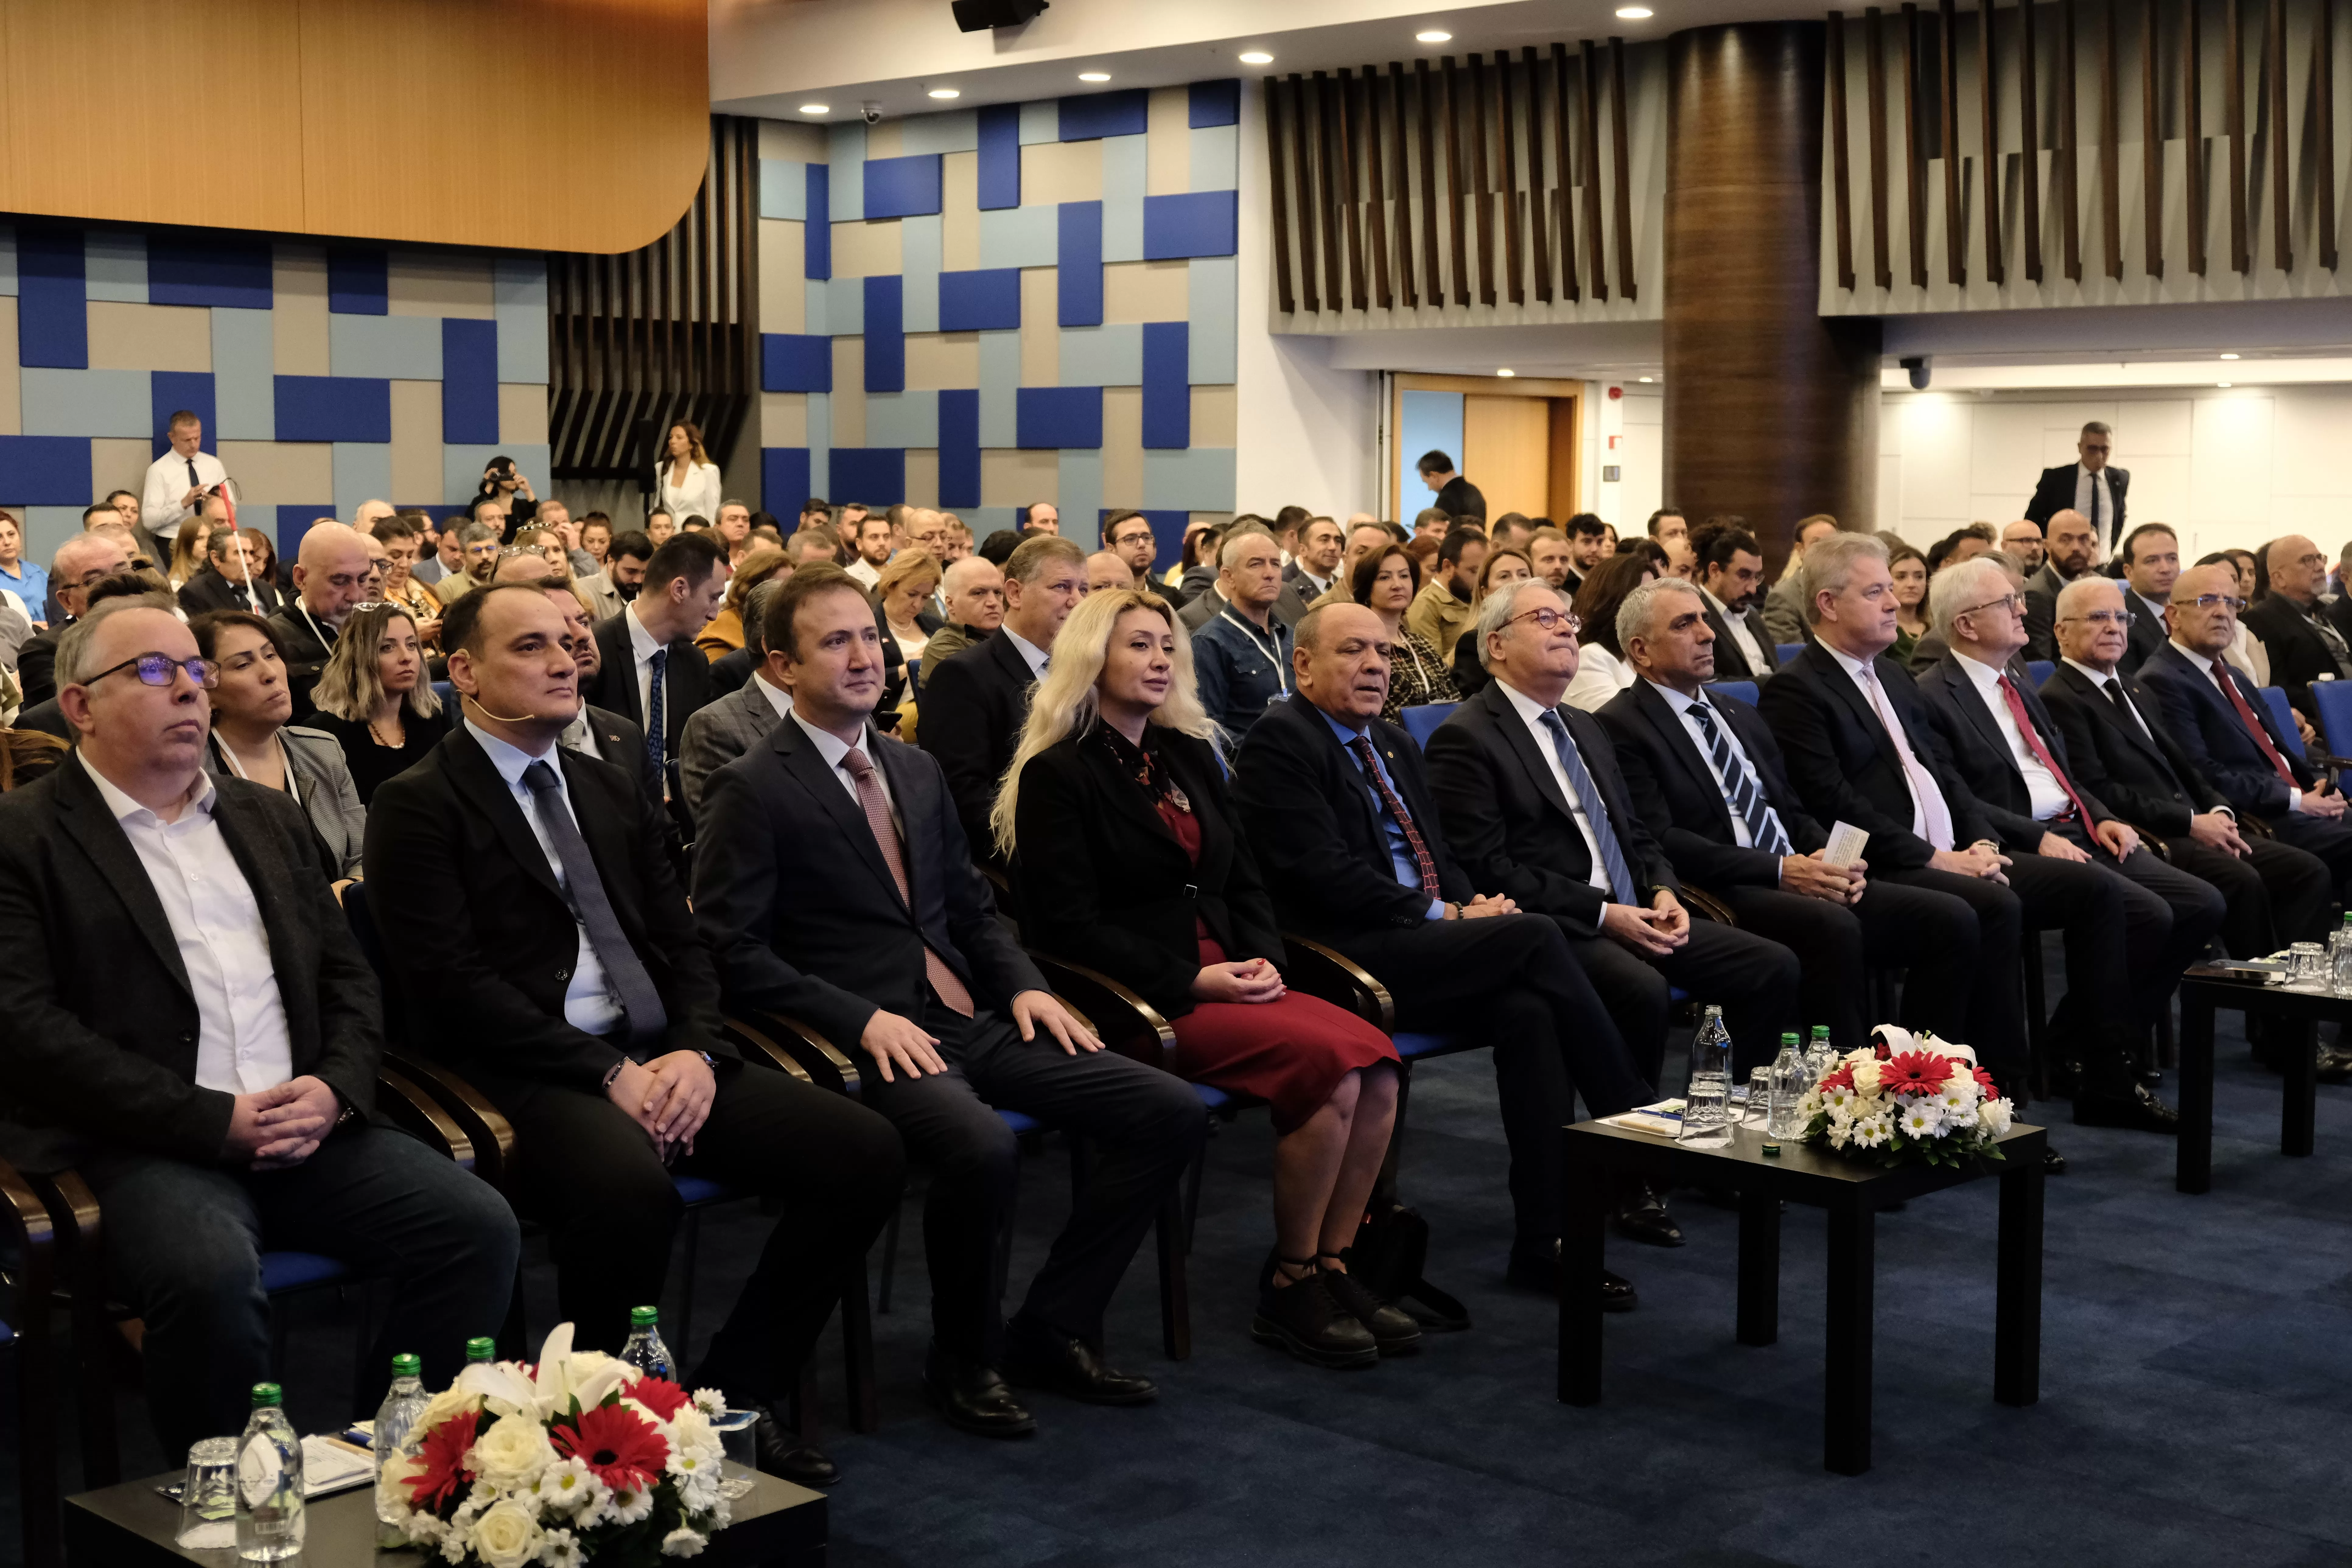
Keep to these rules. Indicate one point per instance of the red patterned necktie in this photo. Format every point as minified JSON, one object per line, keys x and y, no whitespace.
{"x":2041,"y":752}
{"x":944,"y":980}
{"x":1362,"y":746}
{"x":2253,"y":725}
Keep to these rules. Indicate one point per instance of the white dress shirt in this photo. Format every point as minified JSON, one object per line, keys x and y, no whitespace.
{"x":700,"y":496}
{"x":833,"y":748}
{"x":865,"y":572}
{"x":778,"y":698}
{"x":1931,"y":814}
{"x":167,"y":481}
{"x":1531,"y":713}
{"x":1741,"y":633}
{"x":2085,"y":481}
{"x":1034,"y":656}
{"x":242,"y":1043}
{"x":2041,"y":785}
{"x":642,"y":647}
{"x":589,"y":1004}
{"x":2204,"y":663}
{"x":1682,"y":706}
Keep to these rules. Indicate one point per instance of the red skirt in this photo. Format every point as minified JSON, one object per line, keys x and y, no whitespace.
{"x":1291,"y":1052}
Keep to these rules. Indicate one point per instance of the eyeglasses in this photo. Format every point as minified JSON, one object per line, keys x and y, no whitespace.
{"x":2214,"y":602}
{"x":1551,"y":620}
{"x":2009,"y":601}
{"x":2124,"y":619}
{"x":157,"y":669}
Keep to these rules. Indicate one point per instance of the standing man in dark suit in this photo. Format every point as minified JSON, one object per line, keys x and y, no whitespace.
{"x":550,"y":958}
{"x":2070,"y":548}
{"x":1347,"y":832}
{"x":649,"y":671}
{"x":1731,"y":581}
{"x":1709,"y":779}
{"x":2086,"y":485}
{"x":1457,"y":497}
{"x":2303,"y":642}
{"x":2150,"y":558}
{"x":974,"y":704}
{"x":191,"y":1027}
{"x":2006,"y":747}
{"x":834,"y":883}
{"x":331,"y":576}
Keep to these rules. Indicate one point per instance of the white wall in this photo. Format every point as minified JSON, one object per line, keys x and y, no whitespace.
{"x":2225,"y":468}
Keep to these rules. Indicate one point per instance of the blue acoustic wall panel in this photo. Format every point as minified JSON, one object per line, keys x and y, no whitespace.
{"x":784,"y":477}
{"x":869,"y":475}
{"x":1000,"y":156}
{"x":1196,"y":223}
{"x":982,"y":301}
{"x":959,"y":448}
{"x":790,"y":362}
{"x":886,"y":334}
{"x":1078,"y":263}
{"x":1058,"y":416}
{"x":116,"y":267}
{"x":233,"y":272}
{"x":1168,"y":531}
{"x":902,"y":187}
{"x":1215,"y":103}
{"x":1098,"y":115}
{"x":172,"y":391}
{"x":52,"y":313}
{"x":469,"y":383}
{"x":294,"y":522}
{"x":45,"y":470}
{"x":816,"y":239}
{"x":358,"y":283}
{"x":1166,"y":385}
{"x":337,"y":408}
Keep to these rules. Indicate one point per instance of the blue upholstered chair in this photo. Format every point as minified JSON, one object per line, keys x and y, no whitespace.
{"x":1782,"y":652}
{"x":1420,"y":722}
{"x":1743,"y":690}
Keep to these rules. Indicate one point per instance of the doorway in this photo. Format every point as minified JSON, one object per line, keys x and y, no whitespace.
{"x":1519,"y":440}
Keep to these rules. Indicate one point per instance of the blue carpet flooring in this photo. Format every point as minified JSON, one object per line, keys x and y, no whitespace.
{"x":2196,"y":1404}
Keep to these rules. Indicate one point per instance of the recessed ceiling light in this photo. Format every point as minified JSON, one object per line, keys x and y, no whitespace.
{"x":1432,"y":36}
{"x":1256,"y":57}
{"x":816,"y":109}
{"x":2220,"y":384}
{"x":946,"y":92}
{"x":1094,"y":76}
{"x":2229,"y":356}
{"x":1506,"y":373}
{"x":1634,"y":13}
{"x":1645,"y":380}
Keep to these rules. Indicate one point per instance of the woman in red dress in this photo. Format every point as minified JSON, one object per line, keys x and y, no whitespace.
{"x":1128,"y":858}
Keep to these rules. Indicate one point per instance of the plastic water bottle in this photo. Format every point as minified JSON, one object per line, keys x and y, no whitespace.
{"x":268,"y":1481}
{"x":1707,"y":1103}
{"x":1790,"y":1078}
{"x":482,"y":1349}
{"x":2339,"y":957}
{"x":394,"y":1418}
{"x":1819,"y":1055}
{"x":645,"y":1350}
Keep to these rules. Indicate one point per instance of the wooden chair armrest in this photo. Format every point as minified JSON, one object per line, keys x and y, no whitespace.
{"x":1701,"y":902}
{"x":2253,"y":827}
{"x":1319,"y":971}
{"x":757,"y":1046}
{"x":29,"y":1224}
{"x":418,"y":1113}
{"x":490,"y":1133}
{"x":824,"y":1062}
{"x":1125,"y":1021}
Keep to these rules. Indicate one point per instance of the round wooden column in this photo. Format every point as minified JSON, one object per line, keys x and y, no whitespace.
{"x":1771,"y":408}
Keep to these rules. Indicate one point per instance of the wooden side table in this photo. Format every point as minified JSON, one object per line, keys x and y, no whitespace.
{"x":2203,"y":991}
{"x":1852,"y":1193}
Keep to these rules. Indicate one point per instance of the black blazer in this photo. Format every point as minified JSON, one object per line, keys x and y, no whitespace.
{"x":2054,"y":493}
{"x":1320,"y":837}
{"x":2042,"y":592}
{"x":729,"y":671}
{"x":208,"y":590}
{"x":2148,"y":632}
{"x":1844,"y":763}
{"x":1675,"y":787}
{"x":2206,"y":727}
{"x":100,"y":1046}
{"x":686,"y":683}
{"x":2142,"y":774}
{"x":1981,"y":754}
{"x":973,"y":707}
{"x":306,"y":655}
{"x":795,"y":900}
{"x":1730,"y":663}
{"x":1103,"y":882}
{"x":485,"y":939}
{"x":2298,"y":654}
{"x":1510,"y":824}
{"x":37,"y":663}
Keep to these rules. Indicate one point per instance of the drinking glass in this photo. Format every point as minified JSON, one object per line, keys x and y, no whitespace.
{"x":737,"y":1433}
{"x":1706,"y":1112}
{"x":209,"y":1496}
{"x":1760,"y":1097}
{"x":2309,"y":970}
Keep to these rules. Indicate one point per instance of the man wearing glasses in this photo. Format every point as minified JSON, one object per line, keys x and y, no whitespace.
{"x":2011,"y":756}
{"x":2304,"y":643}
{"x":193,"y":1031}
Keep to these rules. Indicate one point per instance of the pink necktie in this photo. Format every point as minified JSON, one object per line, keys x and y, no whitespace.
{"x":1931,"y":819}
{"x":944,"y":980}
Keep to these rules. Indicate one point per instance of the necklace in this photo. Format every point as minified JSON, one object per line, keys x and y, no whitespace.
{"x":377,"y":736}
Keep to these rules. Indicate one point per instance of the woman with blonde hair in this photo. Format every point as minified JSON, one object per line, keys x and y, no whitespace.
{"x":1128,"y":857}
{"x":904,"y":591}
{"x":1469,"y":670}
{"x":188,"y":550}
{"x":372,"y":696}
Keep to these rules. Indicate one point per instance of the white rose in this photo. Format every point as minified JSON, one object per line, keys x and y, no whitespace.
{"x":505,"y":1536}
{"x":512,"y":1453}
{"x":1865,"y":1077}
{"x":1993,"y":1117}
{"x":448,"y":1403}
{"x":680,"y":1542}
{"x":392,"y":1494}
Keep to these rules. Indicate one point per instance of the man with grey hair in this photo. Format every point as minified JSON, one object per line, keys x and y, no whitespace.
{"x":78,"y":563}
{"x":736,"y":722}
{"x":2009,"y":752}
{"x":1289,"y":607}
{"x":1242,"y":655}
{"x":2087,"y":486}
{"x":974,"y":588}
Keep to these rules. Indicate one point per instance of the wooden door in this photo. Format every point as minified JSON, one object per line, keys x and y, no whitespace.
{"x":1506,"y":452}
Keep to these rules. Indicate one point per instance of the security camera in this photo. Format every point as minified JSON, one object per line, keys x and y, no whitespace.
{"x":870,"y":113}
{"x":1921,"y":367}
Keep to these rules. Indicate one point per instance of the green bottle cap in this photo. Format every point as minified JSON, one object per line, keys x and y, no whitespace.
{"x":406,"y":1365}
{"x":481,"y":1350}
{"x":1821,"y":1031}
{"x":644,"y":1317}
{"x":267,"y":1395}
{"x":1789,"y":1040}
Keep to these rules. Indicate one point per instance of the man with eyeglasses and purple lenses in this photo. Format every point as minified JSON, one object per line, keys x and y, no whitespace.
{"x":193,"y":1030}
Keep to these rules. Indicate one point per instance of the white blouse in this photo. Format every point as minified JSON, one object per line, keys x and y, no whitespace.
{"x":699,"y":497}
{"x":1600,"y":676}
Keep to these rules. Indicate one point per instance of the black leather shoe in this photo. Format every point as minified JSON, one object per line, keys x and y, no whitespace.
{"x":1393,"y":1328}
{"x":1037,"y":1357}
{"x":1617,"y":1294}
{"x":974,"y":1399}
{"x":803,"y":1464}
{"x":1306,"y":1320}
{"x":2133,"y":1108}
{"x":2054,"y":1164}
{"x":1641,"y":1216}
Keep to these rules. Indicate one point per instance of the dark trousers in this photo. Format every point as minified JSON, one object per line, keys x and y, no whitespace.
{"x":1146,"y":1124}
{"x":589,"y":1172}
{"x":2108,"y":922}
{"x":1754,"y":978}
{"x":2279,"y":896}
{"x":2169,"y":919}
{"x":2330,"y":839}
{"x":1929,"y":932}
{"x":1996,"y":993}
{"x":1511,"y":981}
{"x":184,"y":1246}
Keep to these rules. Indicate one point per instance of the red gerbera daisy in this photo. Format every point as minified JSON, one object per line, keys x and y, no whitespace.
{"x":617,"y":1444}
{"x":1984,"y":1081}
{"x":658,"y":1395}
{"x":1914,"y":1072}
{"x":443,"y":1454}
{"x":1838,"y":1078}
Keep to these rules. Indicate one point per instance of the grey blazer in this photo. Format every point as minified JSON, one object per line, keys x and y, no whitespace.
{"x":601,"y":593}
{"x":323,"y":782}
{"x":718,"y":734}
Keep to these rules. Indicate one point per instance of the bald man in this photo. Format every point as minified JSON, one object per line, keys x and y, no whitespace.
{"x":331,"y":575}
{"x":78,"y":563}
{"x":2023,"y":541}
{"x":1106,"y":570}
{"x":2304,"y":643}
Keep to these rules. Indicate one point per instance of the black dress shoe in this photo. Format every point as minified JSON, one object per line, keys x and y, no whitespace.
{"x":1393,"y":1328}
{"x":1641,"y":1216}
{"x":803,"y":1464}
{"x":2054,"y":1164}
{"x":1617,"y":1294}
{"x":2133,"y":1108}
{"x":1037,"y":1357}
{"x":1305,"y":1319}
{"x":974,"y":1399}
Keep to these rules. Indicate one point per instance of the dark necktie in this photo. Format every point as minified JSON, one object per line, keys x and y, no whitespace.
{"x":1596,"y":811}
{"x":1362,"y":746}
{"x":2124,"y":704}
{"x":2253,"y":725}
{"x":945,"y":981}
{"x":583,"y":889}
{"x":2094,"y":506}
{"x":194,"y":483}
{"x":1764,"y":830}
{"x":656,"y":699}
{"x":2041,"y":753}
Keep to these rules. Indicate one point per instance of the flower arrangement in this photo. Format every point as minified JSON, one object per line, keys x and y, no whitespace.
{"x":1908,"y":1100}
{"x":578,"y":1460}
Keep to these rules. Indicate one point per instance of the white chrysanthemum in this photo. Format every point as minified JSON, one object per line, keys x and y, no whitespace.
{"x":453,"y":1546}
{"x":1994,"y":1115}
{"x":1841,"y":1135}
{"x":1870,"y":1131}
{"x":512,"y":1453}
{"x":1838,"y":1102}
{"x":569,"y":1487}
{"x":560,"y":1549}
{"x":683,"y":1542}
{"x":710,"y":1401}
{"x":698,"y":1489}
{"x":626,"y":1507}
{"x":424,"y":1530}
{"x":1922,"y":1119}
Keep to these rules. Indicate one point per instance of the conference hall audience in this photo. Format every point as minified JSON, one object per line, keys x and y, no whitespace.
{"x":1731,"y":581}
{"x":2150,"y":558}
{"x":876,"y":928}
{"x":1502,"y":567}
{"x":1446,"y":605}
{"x":1129,"y":536}
{"x":2245,"y":650}
{"x":252,"y":740}
{"x":214,"y":1087}
{"x":79,"y":562}
{"x":2071,"y":551}
{"x":648,"y":670}
{"x":1784,"y":603}
{"x":1554,"y":559}
{"x":974,"y":591}
{"x":1241,"y":656}
{"x":1363,"y":539}
{"x":232,"y":578}
{"x":1339,"y":810}
{"x":1387,"y":582}
{"x":26,"y":578}
{"x":375,"y":699}
{"x":1106,"y":571}
{"x":612,"y":589}
{"x":874,"y":542}
{"x":598,"y":731}
{"x":733,"y":723}
{"x":187,"y":551}
{"x":1205,"y":601}
{"x":479,"y":539}
{"x":1602,"y":671}
{"x":175,"y":487}
{"x":331,"y":575}
{"x":402,"y":539}
{"x":141,"y":584}
{"x":2303,"y":642}
{"x":1908,"y":567}
{"x":725,"y":632}
{"x":903,"y":594}
{"x":1315,"y":570}
{"x":2022,"y":543}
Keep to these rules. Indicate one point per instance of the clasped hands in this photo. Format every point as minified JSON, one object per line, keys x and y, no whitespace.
{"x":1655,"y":931}
{"x":1246,"y":980}
{"x":895,"y":1041}
{"x":670,"y":1097}
{"x":277,"y":1128}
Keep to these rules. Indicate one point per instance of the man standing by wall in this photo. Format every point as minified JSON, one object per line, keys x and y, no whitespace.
{"x":176,"y":482}
{"x":2087,"y":486}
{"x":1456,"y":497}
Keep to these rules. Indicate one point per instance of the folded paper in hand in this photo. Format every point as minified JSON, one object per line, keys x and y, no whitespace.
{"x":1845,"y":845}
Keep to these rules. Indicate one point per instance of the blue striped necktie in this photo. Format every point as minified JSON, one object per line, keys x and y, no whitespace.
{"x":1596,"y":810}
{"x":1739,"y":787}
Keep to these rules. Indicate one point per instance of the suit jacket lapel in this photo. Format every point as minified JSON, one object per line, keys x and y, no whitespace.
{"x":1964,"y":696}
{"x":806,"y":765}
{"x":1506,"y":714}
{"x":1684,"y":750}
{"x":91,"y":824}
{"x":1126,"y":798}
{"x":477,"y":781}
{"x":618,"y":650}
{"x":1845,"y":690}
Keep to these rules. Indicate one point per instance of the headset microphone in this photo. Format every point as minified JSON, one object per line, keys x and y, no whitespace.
{"x":501,"y":718}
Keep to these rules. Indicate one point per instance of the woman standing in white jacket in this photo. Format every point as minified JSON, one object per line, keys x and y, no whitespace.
{"x":686,"y":484}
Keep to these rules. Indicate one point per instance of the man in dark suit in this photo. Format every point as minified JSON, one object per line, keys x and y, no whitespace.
{"x":1348,"y":834}
{"x":834,"y":883}
{"x":2150,"y":558}
{"x":1709,"y":781}
{"x":1316,"y":567}
{"x":79,"y":563}
{"x":191,"y":1027}
{"x":1731,"y":581}
{"x":598,"y":732}
{"x":2007,"y":749}
{"x":974,"y":704}
{"x":549,"y":956}
{"x":2086,"y":485}
{"x":331,"y":576}
{"x":648,"y":670}
{"x":232,"y":578}
{"x":733,"y":724}
{"x":2070,"y":548}
{"x":2304,"y":643}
